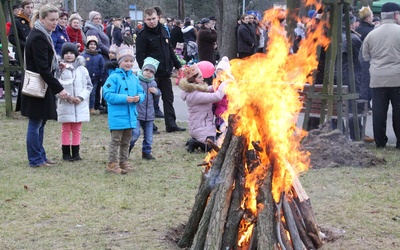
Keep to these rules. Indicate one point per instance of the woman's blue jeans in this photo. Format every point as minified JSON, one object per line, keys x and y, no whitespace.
{"x":34,"y":142}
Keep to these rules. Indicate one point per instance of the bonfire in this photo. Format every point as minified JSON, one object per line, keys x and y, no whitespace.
{"x":250,"y":196}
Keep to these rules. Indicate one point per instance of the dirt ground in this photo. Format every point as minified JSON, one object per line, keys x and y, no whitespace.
{"x":329,"y":148}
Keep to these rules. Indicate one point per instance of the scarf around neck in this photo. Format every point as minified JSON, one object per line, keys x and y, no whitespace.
{"x":142,"y":78}
{"x":39,"y":26}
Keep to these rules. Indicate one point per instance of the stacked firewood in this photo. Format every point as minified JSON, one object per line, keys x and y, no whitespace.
{"x":218,"y":214}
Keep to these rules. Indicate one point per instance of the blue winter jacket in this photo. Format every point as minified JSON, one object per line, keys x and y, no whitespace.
{"x":59,"y":36}
{"x":94,"y":64}
{"x":118,"y":86}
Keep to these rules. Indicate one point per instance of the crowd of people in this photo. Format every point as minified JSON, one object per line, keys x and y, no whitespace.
{"x":88,"y":68}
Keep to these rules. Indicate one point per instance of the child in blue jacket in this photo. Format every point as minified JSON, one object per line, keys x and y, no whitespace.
{"x":122,"y":91}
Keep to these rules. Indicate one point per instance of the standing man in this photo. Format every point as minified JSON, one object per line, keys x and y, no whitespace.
{"x":22,"y":22}
{"x":381,"y":48}
{"x":207,"y":43}
{"x":245,"y":39}
{"x":153,"y":41}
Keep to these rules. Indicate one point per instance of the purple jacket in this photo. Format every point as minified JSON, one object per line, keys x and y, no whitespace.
{"x":199,"y":100}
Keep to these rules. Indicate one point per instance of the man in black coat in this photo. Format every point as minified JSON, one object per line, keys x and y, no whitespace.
{"x":22,"y":22}
{"x":153,"y":41}
{"x":246,"y":39}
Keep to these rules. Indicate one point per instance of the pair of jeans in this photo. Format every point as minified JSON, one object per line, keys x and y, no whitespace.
{"x":34,"y":142}
{"x":380,"y":104}
{"x":147,"y":127}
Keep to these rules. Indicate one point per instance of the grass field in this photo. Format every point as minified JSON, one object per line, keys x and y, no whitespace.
{"x":78,"y":206}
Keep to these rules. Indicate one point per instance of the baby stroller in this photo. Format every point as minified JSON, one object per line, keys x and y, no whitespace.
{"x":191,"y":52}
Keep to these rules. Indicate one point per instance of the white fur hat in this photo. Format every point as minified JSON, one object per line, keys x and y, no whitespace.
{"x":224,"y":64}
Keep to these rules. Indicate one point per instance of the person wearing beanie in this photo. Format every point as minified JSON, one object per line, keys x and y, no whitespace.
{"x":123,"y":92}
{"x":381,"y":49}
{"x":94,"y":27}
{"x":74,"y":110}
{"x":199,"y":98}
{"x":74,"y":31}
{"x":146,"y":112}
{"x":95,"y":65}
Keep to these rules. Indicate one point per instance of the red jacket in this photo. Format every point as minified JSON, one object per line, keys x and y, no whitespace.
{"x":8,"y":27}
{"x":75,"y":36}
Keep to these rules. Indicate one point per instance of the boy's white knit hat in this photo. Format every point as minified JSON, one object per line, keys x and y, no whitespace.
{"x":124,"y":51}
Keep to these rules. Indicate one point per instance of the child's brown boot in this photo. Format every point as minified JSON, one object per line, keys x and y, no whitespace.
{"x":113,"y":167}
{"x":126,"y":166}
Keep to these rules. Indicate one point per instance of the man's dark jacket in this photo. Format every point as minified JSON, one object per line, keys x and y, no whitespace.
{"x":154,"y":42}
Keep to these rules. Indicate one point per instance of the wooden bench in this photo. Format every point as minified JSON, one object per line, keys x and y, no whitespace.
{"x":340,"y":104}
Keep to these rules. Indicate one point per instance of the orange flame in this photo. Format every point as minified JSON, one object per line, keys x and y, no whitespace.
{"x":266,"y":102}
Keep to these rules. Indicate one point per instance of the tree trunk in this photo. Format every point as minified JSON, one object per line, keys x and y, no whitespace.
{"x":226,"y":26}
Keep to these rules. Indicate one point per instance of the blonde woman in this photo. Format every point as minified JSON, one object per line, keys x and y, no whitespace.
{"x":41,"y":58}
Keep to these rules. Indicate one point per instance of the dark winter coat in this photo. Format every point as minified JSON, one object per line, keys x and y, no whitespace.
{"x":189,"y":34}
{"x":206,"y":40}
{"x":176,"y":36}
{"x":59,"y":36}
{"x":94,"y":64}
{"x":117,"y":37}
{"x":39,"y":55}
{"x":364,"y":28}
{"x":246,"y":41}
{"x":356,"y":47}
{"x":23,"y":29}
{"x":155,"y":43}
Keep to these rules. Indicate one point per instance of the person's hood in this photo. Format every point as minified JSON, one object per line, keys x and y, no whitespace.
{"x":111,"y":66}
{"x":80,"y":61}
{"x":22,"y":15}
{"x":187,"y":29}
{"x":188,"y":87}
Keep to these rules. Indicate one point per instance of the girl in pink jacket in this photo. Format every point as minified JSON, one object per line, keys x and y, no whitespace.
{"x":199,"y":98}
